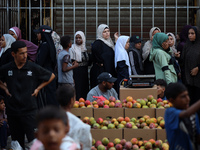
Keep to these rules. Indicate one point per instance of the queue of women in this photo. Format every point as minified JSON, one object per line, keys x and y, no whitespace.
{"x":162,"y":55}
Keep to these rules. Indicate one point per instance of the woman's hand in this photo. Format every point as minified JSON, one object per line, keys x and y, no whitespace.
{"x":177,"y":54}
{"x":194,"y":71}
{"x":116,"y":35}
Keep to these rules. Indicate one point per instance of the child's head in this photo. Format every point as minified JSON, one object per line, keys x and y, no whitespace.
{"x":65,"y":95}
{"x":52,"y":124}
{"x":161,"y":86}
{"x":177,"y":94}
{"x":65,"y":41}
{"x":2,"y":104}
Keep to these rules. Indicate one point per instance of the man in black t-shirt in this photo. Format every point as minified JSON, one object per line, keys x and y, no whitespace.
{"x":22,"y":80}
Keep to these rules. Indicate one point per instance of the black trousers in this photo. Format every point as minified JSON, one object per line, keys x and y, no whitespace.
{"x":194,"y":93}
{"x":21,"y":126}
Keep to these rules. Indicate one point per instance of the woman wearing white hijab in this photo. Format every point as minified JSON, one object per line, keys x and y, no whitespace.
{"x":148,"y":65}
{"x":122,"y":63}
{"x":102,"y":55}
{"x":5,"y":54}
{"x":78,"y":52}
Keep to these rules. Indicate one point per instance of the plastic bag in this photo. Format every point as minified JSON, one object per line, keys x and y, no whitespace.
{"x":100,"y":98}
{"x":15,"y":145}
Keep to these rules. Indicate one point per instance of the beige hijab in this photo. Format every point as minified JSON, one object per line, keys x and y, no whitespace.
{"x":148,"y":45}
{"x":108,"y":41}
{"x":76,"y":50}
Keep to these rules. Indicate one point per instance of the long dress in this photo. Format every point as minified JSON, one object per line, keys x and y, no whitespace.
{"x":103,"y":61}
{"x":43,"y":59}
{"x":80,"y":75}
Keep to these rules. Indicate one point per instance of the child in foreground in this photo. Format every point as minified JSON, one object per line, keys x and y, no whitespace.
{"x":53,"y":126}
{"x":181,"y":121}
{"x":79,"y":131}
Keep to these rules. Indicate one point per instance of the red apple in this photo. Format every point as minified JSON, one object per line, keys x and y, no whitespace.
{"x":105,"y":106}
{"x":118,"y":147}
{"x":87,"y":102}
{"x":112,"y":99}
{"x":110,"y":144}
{"x":98,"y":143}
{"x":99,"y":121}
{"x":128,"y":145}
{"x":81,"y":100}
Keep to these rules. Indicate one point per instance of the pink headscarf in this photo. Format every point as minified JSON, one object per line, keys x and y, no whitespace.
{"x":31,"y":48}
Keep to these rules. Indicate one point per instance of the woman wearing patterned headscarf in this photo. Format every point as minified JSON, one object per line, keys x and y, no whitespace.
{"x":102,"y":55}
{"x":172,"y":43}
{"x":31,"y":48}
{"x":148,"y":66}
{"x":78,"y":52}
{"x":5,"y":44}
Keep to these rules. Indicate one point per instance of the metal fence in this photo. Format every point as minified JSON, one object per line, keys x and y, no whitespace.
{"x":11,"y":12}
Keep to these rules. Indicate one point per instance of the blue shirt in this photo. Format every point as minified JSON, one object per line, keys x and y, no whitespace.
{"x":177,"y":137}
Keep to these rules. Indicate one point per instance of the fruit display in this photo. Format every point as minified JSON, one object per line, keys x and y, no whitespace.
{"x":129,"y":102}
{"x":144,"y":122}
{"x":134,"y":144}
{"x":149,"y":102}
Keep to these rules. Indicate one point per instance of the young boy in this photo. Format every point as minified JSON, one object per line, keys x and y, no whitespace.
{"x":135,"y":55}
{"x":181,"y":121}
{"x":79,"y":131}
{"x":161,"y":86}
{"x":65,"y":65}
{"x":3,"y":124}
{"x":53,"y":126}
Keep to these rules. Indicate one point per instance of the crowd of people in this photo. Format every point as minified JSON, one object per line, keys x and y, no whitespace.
{"x":31,"y":74}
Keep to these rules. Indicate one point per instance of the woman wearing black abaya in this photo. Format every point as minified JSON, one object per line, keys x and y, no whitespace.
{"x":46,"y":58}
{"x":190,"y":61}
{"x":102,"y":55}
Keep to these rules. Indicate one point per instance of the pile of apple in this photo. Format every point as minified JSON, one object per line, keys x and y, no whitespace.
{"x":134,"y":144}
{"x":148,"y":102}
{"x":142,"y":123}
{"x":129,"y":102}
{"x":99,"y":103}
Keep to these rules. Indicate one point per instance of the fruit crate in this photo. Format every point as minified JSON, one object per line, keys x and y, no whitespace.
{"x":141,"y":134}
{"x":138,"y":112}
{"x":82,"y":112}
{"x":161,"y":134}
{"x":160,"y":112}
{"x":108,"y":113}
{"x":137,"y":92}
{"x":111,"y":134}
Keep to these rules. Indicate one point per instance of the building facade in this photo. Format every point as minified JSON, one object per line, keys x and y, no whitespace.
{"x":127,"y":17}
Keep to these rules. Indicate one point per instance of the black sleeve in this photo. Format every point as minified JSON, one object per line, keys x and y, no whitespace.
{"x":42,"y":54}
{"x":41,"y":73}
{"x":97,"y":51}
{"x":2,"y":76}
{"x":122,"y":69}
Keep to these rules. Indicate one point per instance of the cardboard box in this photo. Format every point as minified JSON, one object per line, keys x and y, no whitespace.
{"x":137,"y":92}
{"x":161,"y":134}
{"x":160,"y":112}
{"x":111,"y":134}
{"x":82,"y":112}
{"x":141,"y":134}
{"x":108,"y":113}
{"x":139,"y":112}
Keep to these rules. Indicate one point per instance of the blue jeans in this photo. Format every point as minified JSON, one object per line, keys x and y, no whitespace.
{"x":3,"y":135}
